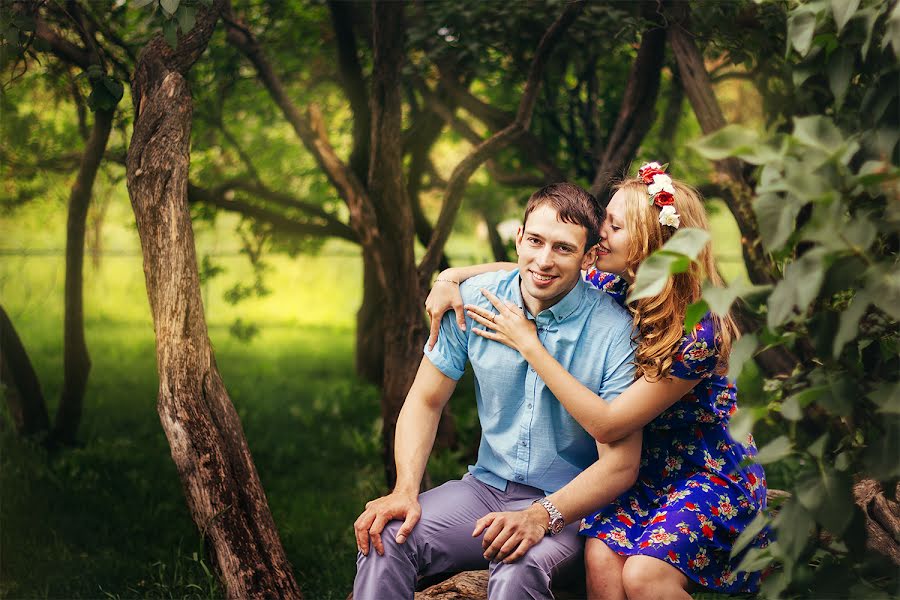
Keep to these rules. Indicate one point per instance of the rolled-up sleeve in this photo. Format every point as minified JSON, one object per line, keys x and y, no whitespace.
{"x":450,"y":353}
{"x":619,"y":367}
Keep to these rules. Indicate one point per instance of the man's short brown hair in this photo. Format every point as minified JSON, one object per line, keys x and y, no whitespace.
{"x":573,"y":204}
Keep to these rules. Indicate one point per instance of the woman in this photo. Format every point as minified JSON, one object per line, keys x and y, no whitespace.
{"x":674,"y":529}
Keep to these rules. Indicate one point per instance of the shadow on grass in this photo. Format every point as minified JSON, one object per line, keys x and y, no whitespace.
{"x":108,"y":519}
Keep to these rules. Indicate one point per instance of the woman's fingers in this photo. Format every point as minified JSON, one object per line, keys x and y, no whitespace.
{"x":498,"y":304}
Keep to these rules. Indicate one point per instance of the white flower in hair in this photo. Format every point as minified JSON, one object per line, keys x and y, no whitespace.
{"x":652,"y":165}
{"x":668,"y":217}
{"x":661,"y":183}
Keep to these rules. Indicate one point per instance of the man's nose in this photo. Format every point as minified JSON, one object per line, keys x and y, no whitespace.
{"x":545,"y":257}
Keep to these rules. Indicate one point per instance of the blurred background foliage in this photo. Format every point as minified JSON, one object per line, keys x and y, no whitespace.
{"x":812,"y":85}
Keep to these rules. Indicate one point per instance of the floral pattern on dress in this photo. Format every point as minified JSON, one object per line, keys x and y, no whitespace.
{"x":693,"y":496}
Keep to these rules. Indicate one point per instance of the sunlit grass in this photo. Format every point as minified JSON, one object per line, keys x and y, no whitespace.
{"x":108,"y":518}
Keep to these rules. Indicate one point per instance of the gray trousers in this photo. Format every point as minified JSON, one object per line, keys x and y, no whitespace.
{"x":442,"y":542}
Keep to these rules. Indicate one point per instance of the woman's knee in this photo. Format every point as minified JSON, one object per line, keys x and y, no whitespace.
{"x":648,"y":577}
{"x":598,"y":557}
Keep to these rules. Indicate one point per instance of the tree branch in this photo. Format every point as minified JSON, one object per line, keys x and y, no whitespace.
{"x":636,"y":114}
{"x":353,"y":83}
{"x":699,"y":90}
{"x":465,"y":169}
{"x":279,"y":222}
{"x":310,"y":129}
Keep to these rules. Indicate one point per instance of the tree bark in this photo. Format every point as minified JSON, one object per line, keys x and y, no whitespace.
{"x":636,"y":114}
{"x":76,"y":361}
{"x":403,"y":323}
{"x":220,"y":481}
{"x":22,"y":388}
{"x":739,"y":197}
{"x":370,"y":327}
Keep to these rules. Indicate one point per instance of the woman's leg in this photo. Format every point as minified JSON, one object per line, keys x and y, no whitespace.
{"x":648,"y":577}
{"x":603,"y":571}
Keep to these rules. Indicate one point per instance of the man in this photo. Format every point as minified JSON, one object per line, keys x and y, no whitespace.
{"x":530,"y":477}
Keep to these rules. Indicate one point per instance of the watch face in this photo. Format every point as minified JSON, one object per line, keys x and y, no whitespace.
{"x":557,"y":525}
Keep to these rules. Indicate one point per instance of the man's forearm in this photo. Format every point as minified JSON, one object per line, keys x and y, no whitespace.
{"x":601,"y":483}
{"x":413,"y":440}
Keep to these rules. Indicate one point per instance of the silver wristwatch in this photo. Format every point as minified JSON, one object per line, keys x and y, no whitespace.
{"x":557,"y":522}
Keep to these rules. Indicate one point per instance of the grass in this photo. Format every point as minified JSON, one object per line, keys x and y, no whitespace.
{"x":108,"y":518}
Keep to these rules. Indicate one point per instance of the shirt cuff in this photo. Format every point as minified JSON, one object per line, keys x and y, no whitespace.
{"x":443,"y":364}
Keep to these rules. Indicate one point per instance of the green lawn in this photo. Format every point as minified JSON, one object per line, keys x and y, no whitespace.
{"x":108,"y":518}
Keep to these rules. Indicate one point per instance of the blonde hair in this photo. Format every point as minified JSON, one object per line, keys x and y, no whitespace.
{"x":657,"y":319}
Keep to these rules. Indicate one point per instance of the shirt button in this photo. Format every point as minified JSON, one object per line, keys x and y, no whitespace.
{"x":529,"y":405}
{"x":519,"y":477}
{"x":531,"y":369}
{"x":524,"y":443}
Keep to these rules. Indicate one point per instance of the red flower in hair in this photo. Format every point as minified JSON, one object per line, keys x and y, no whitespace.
{"x":648,"y":170}
{"x":663,"y":199}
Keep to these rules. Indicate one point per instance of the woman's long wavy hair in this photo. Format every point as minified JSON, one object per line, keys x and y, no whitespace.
{"x":657,"y":320}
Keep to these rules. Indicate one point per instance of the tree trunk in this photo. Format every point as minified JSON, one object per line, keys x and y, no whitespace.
{"x":404,"y":327}
{"x":22,"y":388}
{"x":77,"y":362}
{"x":498,"y":247}
{"x":739,"y":196}
{"x":636,"y":114}
{"x":220,"y":481}
{"x":370,"y":326}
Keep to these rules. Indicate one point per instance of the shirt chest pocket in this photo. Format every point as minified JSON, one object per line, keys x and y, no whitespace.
{"x":501,"y":374}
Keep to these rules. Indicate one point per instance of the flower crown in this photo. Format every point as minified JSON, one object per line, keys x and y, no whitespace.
{"x":662,"y":192}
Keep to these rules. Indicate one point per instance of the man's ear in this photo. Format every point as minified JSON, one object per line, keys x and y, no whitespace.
{"x":520,"y":233}
{"x":590,"y":257}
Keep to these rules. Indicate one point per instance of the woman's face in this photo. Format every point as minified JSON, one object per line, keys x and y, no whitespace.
{"x":615,"y":240}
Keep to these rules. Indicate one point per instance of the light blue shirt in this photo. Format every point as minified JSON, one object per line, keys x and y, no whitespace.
{"x":527,"y":436}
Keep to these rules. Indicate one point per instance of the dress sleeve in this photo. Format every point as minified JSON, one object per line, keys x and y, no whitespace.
{"x":699,"y":354}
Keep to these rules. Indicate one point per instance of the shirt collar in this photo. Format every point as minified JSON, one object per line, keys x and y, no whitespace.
{"x":560,"y":311}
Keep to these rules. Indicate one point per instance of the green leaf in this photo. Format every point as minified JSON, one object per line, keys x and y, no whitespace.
{"x":839,"y":396}
{"x":892,"y":34}
{"x":187,"y":16}
{"x":693,"y":314}
{"x":883,"y":285}
{"x":752,"y":529}
{"x":651,"y":276}
{"x":727,"y":141}
{"x":674,"y":257}
{"x":793,"y":526}
{"x":720,"y":299}
{"x":869,"y":16}
{"x":741,"y":352}
{"x":170,"y":33}
{"x":801,"y":284}
{"x":779,"y":448}
{"x":801,"y":27}
{"x":756,"y":559}
{"x":817,"y":448}
{"x":843,"y":11}
{"x":887,"y":397}
{"x":741,"y":423}
{"x":688,"y":242}
{"x":777,"y":216}
{"x":849,"y":326}
{"x":790,"y":409}
{"x":840,"y":68}
{"x":114,"y":87}
{"x":827,"y":496}
{"x":169,"y":6}
{"x":819,"y":132}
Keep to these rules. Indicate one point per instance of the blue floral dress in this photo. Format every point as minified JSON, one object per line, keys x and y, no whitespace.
{"x":692,"y":497}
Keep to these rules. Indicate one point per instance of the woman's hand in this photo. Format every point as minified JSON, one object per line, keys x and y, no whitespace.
{"x":442,"y":297}
{"x":508,"y":325}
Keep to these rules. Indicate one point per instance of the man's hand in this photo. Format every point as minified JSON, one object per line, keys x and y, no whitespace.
{"x":509,"y":535}
{"x":380,"y":512}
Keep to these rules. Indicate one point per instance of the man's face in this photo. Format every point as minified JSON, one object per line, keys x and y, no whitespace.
{"x":551,"y":257}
